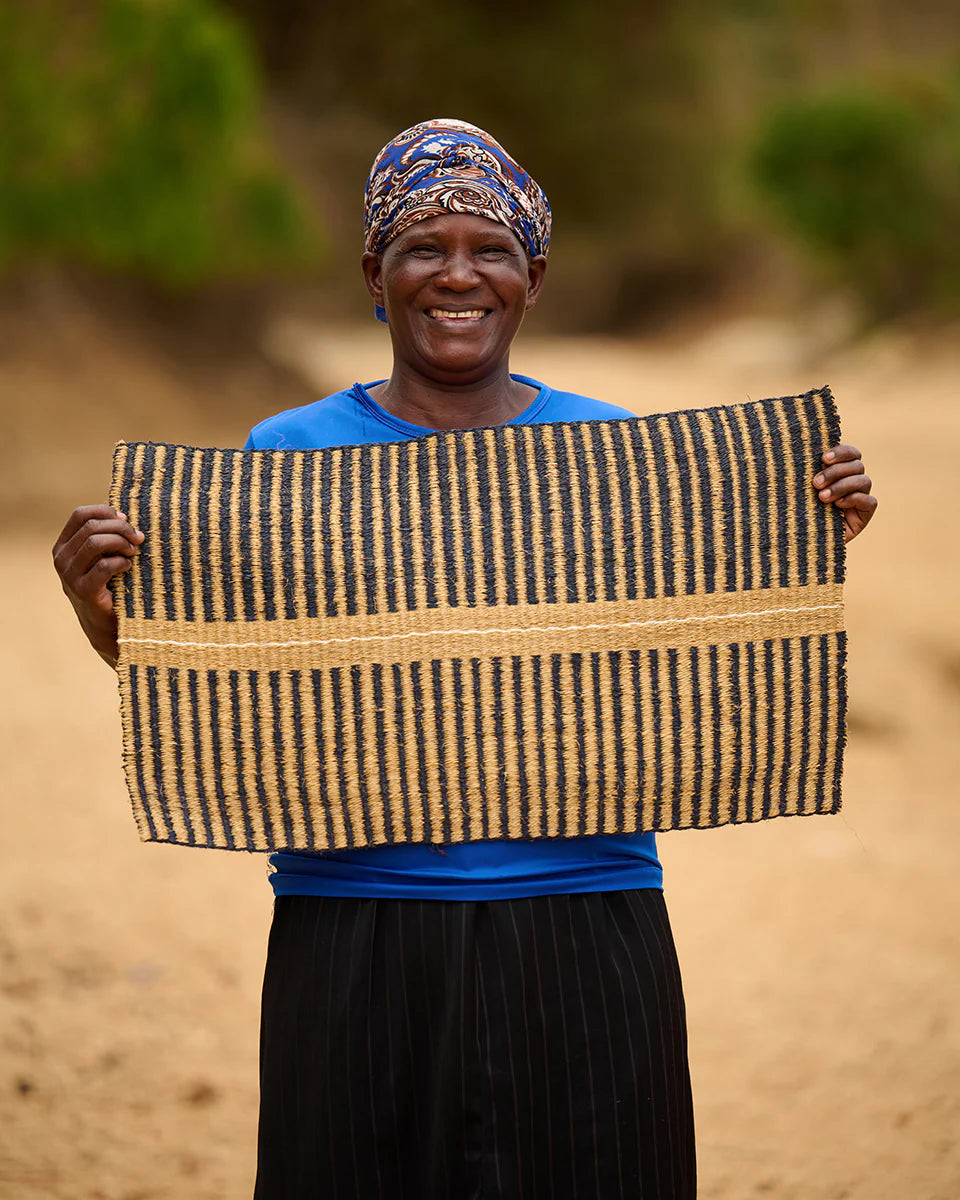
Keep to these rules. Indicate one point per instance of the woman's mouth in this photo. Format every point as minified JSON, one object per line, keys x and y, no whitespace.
{"x":450,"y":314}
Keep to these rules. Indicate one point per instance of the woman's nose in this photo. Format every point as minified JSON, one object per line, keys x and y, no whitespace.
{"x":458,"y":271}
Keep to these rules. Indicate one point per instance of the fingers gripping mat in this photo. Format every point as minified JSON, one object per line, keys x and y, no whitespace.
{"x":518,"y":632}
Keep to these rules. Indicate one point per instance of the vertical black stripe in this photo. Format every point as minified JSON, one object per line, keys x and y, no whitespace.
{"x":425,"y":532}
{"x":610,"y":553}
{"x":766,"y":412}
{"x":197,"y":780}
{"x":157,"y":748}
{"x":563,"y":827}
{"x":243,"y":534}
{"x":185,"y":534}
{"x":614,"y":658}
{"x":316,"y":682}
{"x":684,"y":502}
{"x":266,"y":538}
{"x":548,"y":511}
{"x":523,"y":783}
{"x":126,"y":491}
{"x":204,"y":483}
{"x":539,"y":740}
{"x":383,"y":775}
{"x":676,"y":727}
{"x":564,"y":507}
{"x":653,"y":659}
{"x":717,"y":734}
{"x":770,"y":758}
{"x":345,"y":518}
{"x":835,"y":515}
{"x":404,"y":773}
{"x":786,"y":669}
{"x":839,"y":641}
{"x":619,"y":430}
{"x":696,"y":788}
{"x":805,"y":472}
{"x":340,"y":750}
{"x":205,"y":487}
{"x":306,"y":463}
{"x":636,"y":687}
{"x":300,"y":737}
{"x":458,"y":708}
{"x":478,"y":730}
{"x":529,"y":555}
{"x":588,"y":569}
{"x":138,"y":740}
{"x":725,"y":517}
{"x":288,"y":463}
{"x":327,"y":518}
{"x":225,"y":584}
{"x":356,"y":680}
{"x":741,"y":454}
{"x":166,"y":531}
{"x":388,"y":565}
{"x":507,"y":516}
{"x":257,"y":726}
{"x":805,"y":697}
{"x":419,"y":741}
{"x":445,"y":833}
{"x":709,"y":536}
{"x":486,"y":526}
{"x":736,"y":722}
{"x":463,"y":473}
{"x":667,"y":513}
{"x":601,"y":781}
{"x":647,"y":485}
{"x":576,"y":673}
{"x":215,"y":728}
{"x":278,"y":718}
{"x":496,"y":683}
{"x":452,"y":564}
{"x":822,"y":756}
{"x":369,"y":558}
{"x":762,"y":531}
{"x":751,"y":814}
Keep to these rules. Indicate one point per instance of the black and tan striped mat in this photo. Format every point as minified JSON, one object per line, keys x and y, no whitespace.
{"x":518,"y":632}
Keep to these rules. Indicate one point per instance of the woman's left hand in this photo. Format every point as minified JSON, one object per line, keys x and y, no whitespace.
{"x":844,"y":482}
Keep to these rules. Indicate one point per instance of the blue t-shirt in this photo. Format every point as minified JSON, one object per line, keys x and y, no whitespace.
{"x":493,"y":870}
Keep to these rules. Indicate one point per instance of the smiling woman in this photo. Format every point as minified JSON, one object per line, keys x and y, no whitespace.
{"x":501,"y":1019}
{"x":455,"y":290}
{"x":488,"y":1018}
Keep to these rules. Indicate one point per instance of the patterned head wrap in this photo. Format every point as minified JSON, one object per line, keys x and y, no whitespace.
{"x":447,"y":166}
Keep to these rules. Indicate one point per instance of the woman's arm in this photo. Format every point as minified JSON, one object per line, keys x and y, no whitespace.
{"x":96,"y":544}
{"x":844,"y":482}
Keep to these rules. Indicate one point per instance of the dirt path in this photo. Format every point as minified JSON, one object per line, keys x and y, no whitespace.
{"x":821,"y":957}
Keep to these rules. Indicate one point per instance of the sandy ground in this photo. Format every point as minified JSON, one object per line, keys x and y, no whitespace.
{"x":821,"y":957}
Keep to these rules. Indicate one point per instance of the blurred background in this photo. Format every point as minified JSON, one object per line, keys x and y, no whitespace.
{"x":751,"y":197}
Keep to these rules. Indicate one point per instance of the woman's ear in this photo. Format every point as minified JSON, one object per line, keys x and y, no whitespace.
{"x":536,"y":270}
{"x":372,"y":266}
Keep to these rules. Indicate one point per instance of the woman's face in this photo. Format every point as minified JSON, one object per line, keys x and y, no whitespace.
{"x":455,"y":289}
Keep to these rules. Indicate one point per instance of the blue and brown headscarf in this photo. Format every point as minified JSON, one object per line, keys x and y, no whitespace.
{"x":447,"y":166}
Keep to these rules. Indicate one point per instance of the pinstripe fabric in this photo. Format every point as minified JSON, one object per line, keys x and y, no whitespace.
{"x":438,"y":1050}
{"x":475,"y":634}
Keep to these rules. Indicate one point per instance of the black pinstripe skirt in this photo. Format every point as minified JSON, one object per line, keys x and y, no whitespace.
{"x":446,"y":1050}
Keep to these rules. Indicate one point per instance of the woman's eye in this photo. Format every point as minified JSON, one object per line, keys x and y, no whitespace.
{"x":495,"y":251}
{"x":423,"y":251}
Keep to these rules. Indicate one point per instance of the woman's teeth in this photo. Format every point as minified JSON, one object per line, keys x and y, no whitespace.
{"x":445,"y":314}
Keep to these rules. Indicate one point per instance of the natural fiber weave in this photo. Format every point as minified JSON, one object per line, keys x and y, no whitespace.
{"x":518,"y":632}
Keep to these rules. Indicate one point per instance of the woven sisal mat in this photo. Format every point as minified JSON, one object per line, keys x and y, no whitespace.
{"x":519,"y":632}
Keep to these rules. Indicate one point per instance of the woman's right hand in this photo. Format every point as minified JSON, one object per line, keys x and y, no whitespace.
{"x":96,"y":544}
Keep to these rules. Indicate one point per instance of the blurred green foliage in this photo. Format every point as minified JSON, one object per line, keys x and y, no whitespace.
{"x":130,"y":140}
{"x":868,"y":176}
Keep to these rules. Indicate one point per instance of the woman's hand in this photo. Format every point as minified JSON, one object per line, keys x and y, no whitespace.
{"x":96,"y":544}
{"x":843,"y":482}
